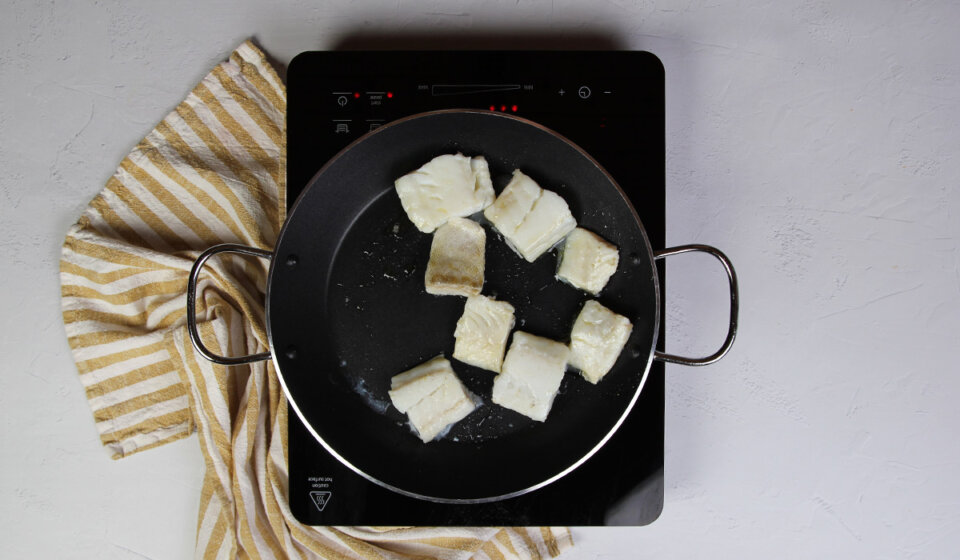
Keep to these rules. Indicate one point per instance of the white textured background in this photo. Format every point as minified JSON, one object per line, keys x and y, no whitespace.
{"x":815,"y":142}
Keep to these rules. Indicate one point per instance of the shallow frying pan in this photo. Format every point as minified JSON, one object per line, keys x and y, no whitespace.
{"x":346,"y":310}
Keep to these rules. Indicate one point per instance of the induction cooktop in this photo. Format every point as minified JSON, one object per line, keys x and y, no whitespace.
{"x":612,"y":105}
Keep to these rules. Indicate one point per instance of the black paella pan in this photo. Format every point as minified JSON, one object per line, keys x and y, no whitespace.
{"x":346,"y":310}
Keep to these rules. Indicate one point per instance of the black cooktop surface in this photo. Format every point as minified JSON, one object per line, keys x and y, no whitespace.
{"x":611,"y":104}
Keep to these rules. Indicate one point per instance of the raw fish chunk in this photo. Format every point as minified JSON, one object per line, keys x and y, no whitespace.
{"x":531,"y":219}
{"x":482,"y":332}
{"x":531,"y":375}
{"x":456,"y":259}
{"x":432,"y":397}
{"x":451,"y":185}
{"x":597,"y":339}
{"x":587,"y":261}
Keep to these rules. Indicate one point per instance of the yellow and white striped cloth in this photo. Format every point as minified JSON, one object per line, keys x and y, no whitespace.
{"x":213,"y":172}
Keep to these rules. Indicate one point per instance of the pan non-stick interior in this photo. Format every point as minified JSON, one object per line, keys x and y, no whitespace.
{"x":347,"y":311}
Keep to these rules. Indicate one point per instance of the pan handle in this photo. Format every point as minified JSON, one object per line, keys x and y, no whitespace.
{"x":734,"y":305}
{"x":192,"y":303}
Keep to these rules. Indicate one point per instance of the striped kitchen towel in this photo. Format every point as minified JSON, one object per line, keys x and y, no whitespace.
{"x":213,"y":172}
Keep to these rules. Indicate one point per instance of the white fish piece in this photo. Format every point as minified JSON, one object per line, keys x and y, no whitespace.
{"x":587,"y":261}
{"x":597,"y":339}
{"x":457,"y":259}
{"x":432,"y":397}
{"x":531,"y":375}
{"x":449,"y":185}
{"x":514,"y":203}
{"x":410,"y":387}
{"x":530,"y":218}
{"x":482,"y":332}
{"x":449,"y":404}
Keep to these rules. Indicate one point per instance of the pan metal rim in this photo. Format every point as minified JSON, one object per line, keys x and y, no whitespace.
{"x":541,"y":484}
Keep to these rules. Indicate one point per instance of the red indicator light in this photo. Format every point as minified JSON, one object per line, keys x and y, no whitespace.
{"x":390,"y":94}
{"x":492,"y":108}
{"x":503,"y":107}
{"x":356,"y":95}
{"x":513,"y":108}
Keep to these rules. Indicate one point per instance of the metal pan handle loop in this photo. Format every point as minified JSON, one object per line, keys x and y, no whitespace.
{"x":192,"y":303}
{"x":734,"y":305}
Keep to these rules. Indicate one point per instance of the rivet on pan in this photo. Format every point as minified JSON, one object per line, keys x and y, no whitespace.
{"x":291,"y":352}
{"x":635,"y":258}
{"x":635,"y":352}
{"x":292,"y":260}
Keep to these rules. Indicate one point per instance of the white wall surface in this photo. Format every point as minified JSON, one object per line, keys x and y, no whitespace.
{"x":815,"y":142}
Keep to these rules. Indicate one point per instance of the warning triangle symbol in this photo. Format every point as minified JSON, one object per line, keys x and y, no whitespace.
{"x":320,"y":499}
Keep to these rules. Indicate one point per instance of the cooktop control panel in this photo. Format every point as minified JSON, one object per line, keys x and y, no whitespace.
{"x":600,"y":100}
{"x":356,"y":110}
{"x":610,"y":104}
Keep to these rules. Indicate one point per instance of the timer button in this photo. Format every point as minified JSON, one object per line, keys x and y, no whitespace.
{"x":584,"y":92}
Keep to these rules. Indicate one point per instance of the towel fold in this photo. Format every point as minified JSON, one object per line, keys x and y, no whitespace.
{"x":212,"y":172}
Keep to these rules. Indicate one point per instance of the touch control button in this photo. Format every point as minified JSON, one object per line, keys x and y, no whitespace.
{"x":584,"y":92}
